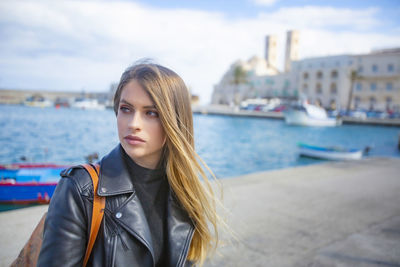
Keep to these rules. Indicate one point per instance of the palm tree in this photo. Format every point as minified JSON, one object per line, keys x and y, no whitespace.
{"x":239,"y":77}
{"x":353,"y":77}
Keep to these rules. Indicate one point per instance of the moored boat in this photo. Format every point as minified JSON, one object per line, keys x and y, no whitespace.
{"x":309,"y":115}
{"x":330,"y":153}
{"x":28,"y":183}
{"x":26,"y":193}
{"x":38,"y":101}
{"x":87,"y":103}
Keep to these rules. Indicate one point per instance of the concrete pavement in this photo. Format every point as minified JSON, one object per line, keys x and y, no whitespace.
{"x":331,"y":214}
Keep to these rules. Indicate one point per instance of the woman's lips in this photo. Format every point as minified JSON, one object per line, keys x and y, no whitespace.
{"x":134,"y":140}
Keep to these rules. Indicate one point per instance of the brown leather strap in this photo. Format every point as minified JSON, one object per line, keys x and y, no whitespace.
{"x":98,"y":210}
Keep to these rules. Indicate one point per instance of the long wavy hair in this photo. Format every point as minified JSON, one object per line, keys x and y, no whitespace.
{"x":184,"y":168}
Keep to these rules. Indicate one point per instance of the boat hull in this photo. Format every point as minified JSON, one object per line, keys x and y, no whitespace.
{"x":298,"y":117}
{"x":28,"y":183}
{"x":26,"y":193}
{"x":329,"y":153}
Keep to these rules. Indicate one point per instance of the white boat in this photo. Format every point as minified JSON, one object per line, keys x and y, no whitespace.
{"x":38,"y":101}
{"x":330,"y":153}
{"x":309,"y":115}
{"x":87,"y":103}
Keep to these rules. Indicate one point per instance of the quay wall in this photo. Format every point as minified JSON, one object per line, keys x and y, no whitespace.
{"x":227,"y":111}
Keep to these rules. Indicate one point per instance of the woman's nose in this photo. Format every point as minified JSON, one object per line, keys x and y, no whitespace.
{"x":136,"y":121}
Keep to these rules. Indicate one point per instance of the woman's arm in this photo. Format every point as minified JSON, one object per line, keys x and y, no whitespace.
{"x":65,"y":230}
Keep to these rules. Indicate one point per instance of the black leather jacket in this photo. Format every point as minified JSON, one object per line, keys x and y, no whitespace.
{"x":124,"y":238}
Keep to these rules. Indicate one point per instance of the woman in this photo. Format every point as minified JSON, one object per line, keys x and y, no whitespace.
{"x":157,"y":210}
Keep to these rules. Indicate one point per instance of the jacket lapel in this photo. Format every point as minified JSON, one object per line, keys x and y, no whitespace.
{"x":132,"y":218}
{"x":180,"y":231}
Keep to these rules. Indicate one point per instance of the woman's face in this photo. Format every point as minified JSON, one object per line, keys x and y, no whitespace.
{"x":139,"y":127}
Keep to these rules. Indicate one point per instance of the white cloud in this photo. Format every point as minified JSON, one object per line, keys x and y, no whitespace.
{"x":73,"y":45}
{"x":322,"y":17}
{"x":265,"y":2}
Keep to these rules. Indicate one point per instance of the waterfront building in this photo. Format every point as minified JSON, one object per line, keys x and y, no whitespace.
{"x":366,"y":81}
{"x":377,"y":80}
{"x":237,"y":83}
{"x":256,"y":80}
{"x":324,"y":81}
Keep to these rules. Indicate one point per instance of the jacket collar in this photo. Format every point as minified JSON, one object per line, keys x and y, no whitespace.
{"x":114,"y":178}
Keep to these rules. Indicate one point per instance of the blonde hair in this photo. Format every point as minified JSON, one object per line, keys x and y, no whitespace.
{"x":183,"y":165}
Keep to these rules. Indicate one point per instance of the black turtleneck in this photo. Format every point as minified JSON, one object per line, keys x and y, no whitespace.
{"x":151,"y":187}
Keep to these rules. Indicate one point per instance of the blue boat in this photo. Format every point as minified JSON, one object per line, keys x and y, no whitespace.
{"x":28,"y":183}
{"x":330,"y":153}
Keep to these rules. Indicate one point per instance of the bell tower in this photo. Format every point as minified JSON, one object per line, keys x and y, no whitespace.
{"x":292,"y":49}
{"x":271,"y":51}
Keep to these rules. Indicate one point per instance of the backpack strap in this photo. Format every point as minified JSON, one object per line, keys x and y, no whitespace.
{"x":99,"y":204}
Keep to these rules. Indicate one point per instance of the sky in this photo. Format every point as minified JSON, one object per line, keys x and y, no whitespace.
{"x":84,"y":46}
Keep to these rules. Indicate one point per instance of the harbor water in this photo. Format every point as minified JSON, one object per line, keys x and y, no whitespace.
{"x":231,"y":146}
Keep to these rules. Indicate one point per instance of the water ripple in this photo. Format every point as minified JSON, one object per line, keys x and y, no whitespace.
{"x":231,"y":146}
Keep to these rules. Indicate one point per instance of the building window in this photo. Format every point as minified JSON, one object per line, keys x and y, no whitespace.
{"x":269,"y":81}
{"x":333,"y":88}
{"x":318,"y":102}
{"x":334,"y":74}
{"x":373,"y":86}
{"x":305,"y":75}
{"x":360,"y":69}
{"x":389,"y":86}
{"x":388,"y":102}
{"x":305,"y":88}
{"x":332,"y":104}
{"x":390,"y":68}
{"x":319,"y":75}
{"x":287,"y":84}
{"x":372,"y":102}
{"x":358,"y":86}
{"x":357,"y":101}
{"x":375,"y":68}
{"x":318,"y":88}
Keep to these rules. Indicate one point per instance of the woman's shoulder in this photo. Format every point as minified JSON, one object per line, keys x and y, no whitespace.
{"x":78,"y":175}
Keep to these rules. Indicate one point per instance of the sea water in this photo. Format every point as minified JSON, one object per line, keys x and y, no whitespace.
{"x":230,"y":146}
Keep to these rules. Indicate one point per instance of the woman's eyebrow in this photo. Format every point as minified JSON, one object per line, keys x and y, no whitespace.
{"x":129,"y":104}
{"x":150,"y":107}
{"x":125,"y":102}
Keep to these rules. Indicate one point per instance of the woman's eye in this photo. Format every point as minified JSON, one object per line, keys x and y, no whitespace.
{"x":124,"y":109}
{"x":152,"y":113}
